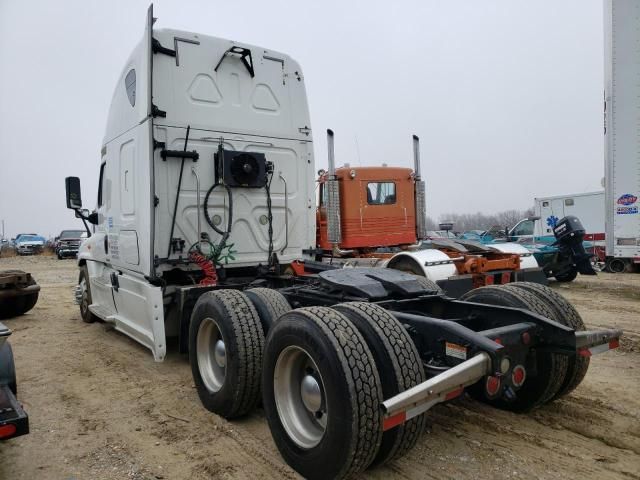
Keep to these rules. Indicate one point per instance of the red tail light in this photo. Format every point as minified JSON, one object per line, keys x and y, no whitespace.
{"x":7,"y":430}
{"x":518,"y":375}
{"x":492,"y":386}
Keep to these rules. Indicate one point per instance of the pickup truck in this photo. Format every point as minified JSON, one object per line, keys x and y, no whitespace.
{"x":68,"y":243}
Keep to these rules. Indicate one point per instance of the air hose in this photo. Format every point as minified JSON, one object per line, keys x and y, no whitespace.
{"x":225,"y":234}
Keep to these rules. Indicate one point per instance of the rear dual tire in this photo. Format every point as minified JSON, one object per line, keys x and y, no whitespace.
{"x":225,"y":352}
{"x":324,"y":373}
{"x":320,"y":347}
{"x":399,"y":366}
{"x":358,"y":354}
{"x":551,"y":368}
{"x":270,"y":305}
{"x":565,"y":314}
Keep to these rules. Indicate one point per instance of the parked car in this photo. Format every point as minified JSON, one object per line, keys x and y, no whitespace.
{"x":69,"y":242}
{"x":29,"y":244}
{"x":18,"y":236}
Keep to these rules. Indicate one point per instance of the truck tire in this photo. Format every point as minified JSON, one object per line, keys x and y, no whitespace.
{"x":11,"y":307}
{"x":551,"y":367}
{"x":322,"y":394}
{"x":225,"y":352}
{"x":20,"y":304}
{"x":567,"y":315}
{"x":270,"y":305}
{"x":429,"y":284}
{"x":616,"y":265}
{"x":399,"y":366}
{"x":30,"y":300}
{"x":8,"y":368}
{"x":567,"y":277}
{"x":85,"y":299}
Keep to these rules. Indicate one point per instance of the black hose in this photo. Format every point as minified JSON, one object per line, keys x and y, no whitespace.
{"x":267,"y":187}
{"x":225,"y":234}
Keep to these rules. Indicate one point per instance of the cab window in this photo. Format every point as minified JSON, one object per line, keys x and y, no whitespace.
{"x":101,"y":184}
{"x":381,"y":193}
{"x":523,"y":228}
{"x":130,"y":86}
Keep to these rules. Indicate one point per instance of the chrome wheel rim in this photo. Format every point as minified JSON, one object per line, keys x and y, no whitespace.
{"x":211,"y":354}
{"x":300,"y":397}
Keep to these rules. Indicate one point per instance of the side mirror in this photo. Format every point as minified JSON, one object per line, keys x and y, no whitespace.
{"x":74,"y":198}
{"x":84,"y":213}
{"x":93,"y":218}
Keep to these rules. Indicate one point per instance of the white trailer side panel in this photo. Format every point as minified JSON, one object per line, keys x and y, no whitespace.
{"x":622,"y":127}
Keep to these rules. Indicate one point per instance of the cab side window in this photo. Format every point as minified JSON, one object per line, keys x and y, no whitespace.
{"x":101,"y":185}
{"x":130,"y":86}
{"x":524,"y":228}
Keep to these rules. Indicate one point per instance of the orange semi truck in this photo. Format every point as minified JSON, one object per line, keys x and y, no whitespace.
{"x":377,"y":216}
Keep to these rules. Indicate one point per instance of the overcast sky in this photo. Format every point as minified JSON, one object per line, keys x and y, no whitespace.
{"x":506,"y":96}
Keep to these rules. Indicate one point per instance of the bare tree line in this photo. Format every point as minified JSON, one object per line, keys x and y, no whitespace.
{"x":479,"y":221}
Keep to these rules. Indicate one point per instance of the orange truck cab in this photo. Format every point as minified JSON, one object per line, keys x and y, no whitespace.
{"x":377,"y":208}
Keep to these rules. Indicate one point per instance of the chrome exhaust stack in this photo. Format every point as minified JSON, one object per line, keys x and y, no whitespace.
{"x":421,"y":205}
{"x":334,"y":232}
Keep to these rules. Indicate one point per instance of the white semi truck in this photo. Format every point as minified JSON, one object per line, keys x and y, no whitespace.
{"x":205,"y":200}
{"x":621,"y":126}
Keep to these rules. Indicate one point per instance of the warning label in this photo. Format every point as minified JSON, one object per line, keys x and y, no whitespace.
{"x":455,"y":350}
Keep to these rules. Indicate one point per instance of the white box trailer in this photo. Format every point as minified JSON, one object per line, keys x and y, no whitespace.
{"x":621,"y":127}
{"x":588,"y":207}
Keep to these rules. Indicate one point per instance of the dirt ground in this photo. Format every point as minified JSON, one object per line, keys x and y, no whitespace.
{"x":101,"y":408}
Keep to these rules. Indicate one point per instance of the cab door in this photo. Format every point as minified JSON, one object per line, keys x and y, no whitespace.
{"x":99,"y":267}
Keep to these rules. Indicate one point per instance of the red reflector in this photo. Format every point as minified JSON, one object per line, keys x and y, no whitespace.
{"x":492,"y":385}
{"x":498,"y":341}
{"x":584,"y":352}
{"x":454,"y":393}
{"x":394,"y":421}
{"x":615,"y":343}
{"x":518,"y":376}
{"x":7,"y":430}
{"x":526,"y":338}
